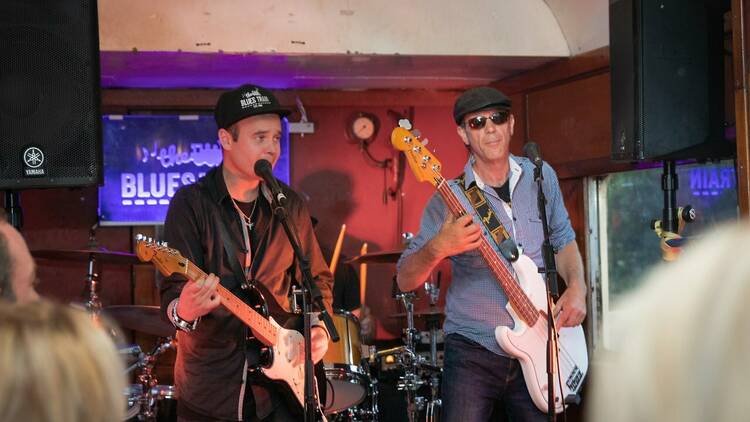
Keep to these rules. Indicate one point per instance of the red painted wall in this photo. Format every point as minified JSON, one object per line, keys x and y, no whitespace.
{"x":343,"y":186}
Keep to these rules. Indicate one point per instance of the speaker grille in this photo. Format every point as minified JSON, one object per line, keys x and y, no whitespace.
{"x":49,"y":92}
{"x":667,"y":84}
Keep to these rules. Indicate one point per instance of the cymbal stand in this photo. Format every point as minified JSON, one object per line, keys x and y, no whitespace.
{"x":147,"y":400}
{"x":94,"y":305}
{"x":433,"y":325}
{"x":408,"y":358}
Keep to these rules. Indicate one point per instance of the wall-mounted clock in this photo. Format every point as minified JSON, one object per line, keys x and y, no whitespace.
{"x":362,"y":127}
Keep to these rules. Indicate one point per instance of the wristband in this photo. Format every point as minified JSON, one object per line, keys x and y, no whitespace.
{"x":181,"y":324}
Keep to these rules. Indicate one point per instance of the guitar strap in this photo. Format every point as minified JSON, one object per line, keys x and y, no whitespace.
{"x":488,"y":216}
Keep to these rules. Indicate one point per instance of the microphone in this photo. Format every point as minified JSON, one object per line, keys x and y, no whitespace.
{"x":531,"y":149}
{"x":263,"y":169}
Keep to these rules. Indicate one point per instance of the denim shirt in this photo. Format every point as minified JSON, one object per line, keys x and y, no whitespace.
{"x":475,"y":302}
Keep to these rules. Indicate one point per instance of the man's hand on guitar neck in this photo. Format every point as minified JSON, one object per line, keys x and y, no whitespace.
{"x":457,"y":235}
{"x":198,"y":298}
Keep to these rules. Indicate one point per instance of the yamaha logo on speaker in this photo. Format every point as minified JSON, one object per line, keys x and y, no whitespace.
{"x":33,"y":162}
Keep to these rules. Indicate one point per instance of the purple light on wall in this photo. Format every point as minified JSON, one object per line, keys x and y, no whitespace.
{"x":168,"y":69}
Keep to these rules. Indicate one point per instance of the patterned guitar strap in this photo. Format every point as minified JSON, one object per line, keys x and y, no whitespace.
{"x":489,"y":219}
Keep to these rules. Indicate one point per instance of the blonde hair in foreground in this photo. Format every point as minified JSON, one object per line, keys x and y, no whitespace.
{"x":57,"y":366}
{"x":685,"y":340}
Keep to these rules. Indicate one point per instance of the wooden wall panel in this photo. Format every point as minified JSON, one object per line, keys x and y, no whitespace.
{"x":571,"y":121}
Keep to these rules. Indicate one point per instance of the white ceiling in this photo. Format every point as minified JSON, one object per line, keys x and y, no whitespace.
{"x":339,"y":44}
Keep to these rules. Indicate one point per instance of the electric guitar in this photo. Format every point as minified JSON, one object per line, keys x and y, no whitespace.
{"x":282,"y":346}
{"x":527,"y":296}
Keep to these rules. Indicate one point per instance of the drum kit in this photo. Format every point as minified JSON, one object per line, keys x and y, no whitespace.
{"x":146,"y":398}
{"x":350,"y":367}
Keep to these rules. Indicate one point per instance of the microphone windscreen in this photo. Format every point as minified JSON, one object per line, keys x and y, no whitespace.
{"x":262,"y":166}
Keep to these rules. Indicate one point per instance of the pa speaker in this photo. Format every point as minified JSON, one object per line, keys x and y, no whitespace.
{"x":667,"y":76}
{"x":50,"y":127}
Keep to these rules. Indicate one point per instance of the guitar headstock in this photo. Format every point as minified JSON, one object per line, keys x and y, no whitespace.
{"x":167,"y":260}
{"x":424,"y":165}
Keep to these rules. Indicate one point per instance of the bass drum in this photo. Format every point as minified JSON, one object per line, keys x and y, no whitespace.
{"x":347,"y":381}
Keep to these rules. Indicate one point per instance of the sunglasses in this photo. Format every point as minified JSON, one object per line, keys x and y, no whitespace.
{"x":498,"y":118}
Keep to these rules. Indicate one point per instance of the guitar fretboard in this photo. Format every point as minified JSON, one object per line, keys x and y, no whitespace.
{"x":518,"y":299}
{"x":262,"y":327}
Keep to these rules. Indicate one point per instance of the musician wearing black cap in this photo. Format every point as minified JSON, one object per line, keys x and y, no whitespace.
{"x":480,"y":379}
{"x":213,"y":356}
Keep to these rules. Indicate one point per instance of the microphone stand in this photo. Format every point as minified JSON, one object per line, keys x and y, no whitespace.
{"x":550,"y":275}
{"x":310,"y":295}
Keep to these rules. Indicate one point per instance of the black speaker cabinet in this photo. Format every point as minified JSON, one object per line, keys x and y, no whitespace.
{"x":50,"y":128}
{"x":667,"y":75}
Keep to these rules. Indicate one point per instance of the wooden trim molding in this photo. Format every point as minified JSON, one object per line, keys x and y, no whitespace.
{"x":740,"y":47}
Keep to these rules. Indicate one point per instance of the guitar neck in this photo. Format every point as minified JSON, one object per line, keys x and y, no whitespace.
{"x":262,"y":328}
{"x":518,"y":299}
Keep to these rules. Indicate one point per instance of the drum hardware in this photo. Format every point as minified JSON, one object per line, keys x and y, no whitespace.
{"x":415,"y":366}
{"x":349,"y":382}
{"x":295,"y":300}
{"x":142,"y":318}
{"x":146,"y":395}
{"x":94,"y":257}
{"x":384,"y":257}
{"x":132,"y":355}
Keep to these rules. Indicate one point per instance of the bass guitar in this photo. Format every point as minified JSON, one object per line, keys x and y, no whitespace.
{"x":278,"y":358}
{"x":526,"y":292}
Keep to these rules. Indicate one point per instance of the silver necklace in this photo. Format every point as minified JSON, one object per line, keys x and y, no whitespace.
{"x":247,"y":221}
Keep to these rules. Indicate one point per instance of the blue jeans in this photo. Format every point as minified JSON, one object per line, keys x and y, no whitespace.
{"x":478,"y":384}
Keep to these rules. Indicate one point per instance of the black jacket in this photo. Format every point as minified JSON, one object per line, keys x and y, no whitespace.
{"x":211,"y":360}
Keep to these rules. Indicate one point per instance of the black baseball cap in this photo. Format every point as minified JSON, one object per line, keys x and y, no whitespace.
{"x":477,"y":99}
{"x":245,"y":101}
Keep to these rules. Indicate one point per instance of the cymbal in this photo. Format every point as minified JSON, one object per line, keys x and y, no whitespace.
{"x":146,"y":319}
{"x":378,"y":257}
{"x":104,"y":256}
{"x":431,"y":312}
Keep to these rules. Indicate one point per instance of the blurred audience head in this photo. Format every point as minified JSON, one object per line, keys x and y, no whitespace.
{"x":17,"y":267}
{"x":56,"y":365}
{"x":683,"y":339}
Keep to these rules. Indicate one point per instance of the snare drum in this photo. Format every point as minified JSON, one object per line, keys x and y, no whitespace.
{"x":347,"y":380}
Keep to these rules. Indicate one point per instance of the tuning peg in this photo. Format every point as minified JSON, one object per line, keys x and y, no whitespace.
{"x":139,"y":237}
{"x":425,"y":141}
{"x":416,"y":133}
{"x":405,"y":123}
